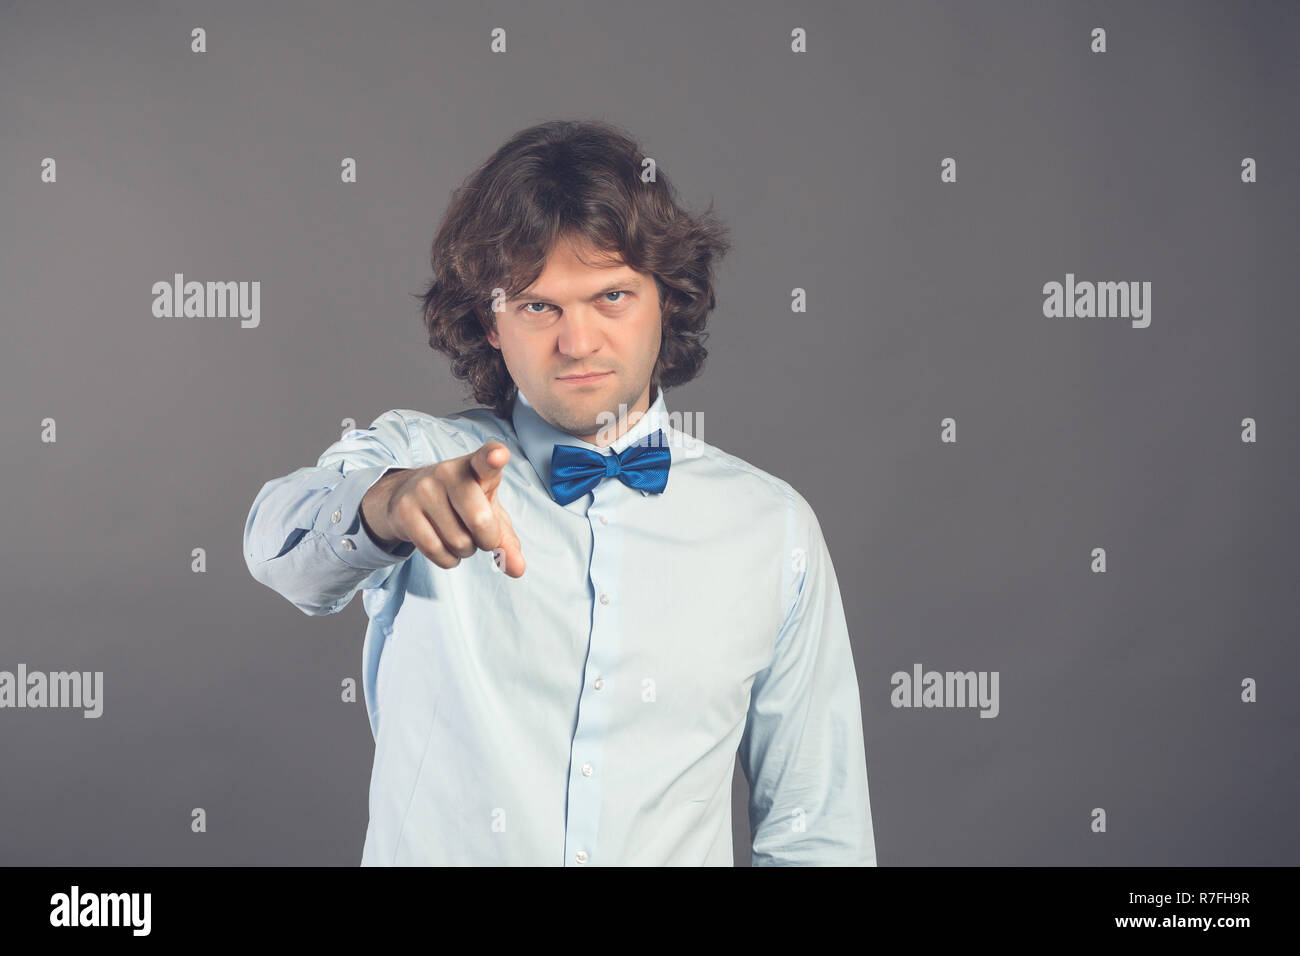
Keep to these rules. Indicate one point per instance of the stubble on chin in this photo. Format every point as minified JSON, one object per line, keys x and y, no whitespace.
{"x":602,"y":425}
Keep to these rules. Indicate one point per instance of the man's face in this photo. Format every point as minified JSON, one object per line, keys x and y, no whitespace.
{"x":576,"y":319}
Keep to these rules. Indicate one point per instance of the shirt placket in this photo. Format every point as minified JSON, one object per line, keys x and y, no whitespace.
{"x":595,"y":702}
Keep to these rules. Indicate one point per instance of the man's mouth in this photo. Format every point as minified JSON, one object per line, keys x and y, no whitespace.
{"x":583,"y":379}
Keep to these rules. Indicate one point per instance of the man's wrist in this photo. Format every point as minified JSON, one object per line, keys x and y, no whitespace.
{"x":373,"y":503}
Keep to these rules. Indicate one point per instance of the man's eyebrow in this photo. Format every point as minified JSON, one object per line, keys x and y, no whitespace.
{"x":630,"y":282}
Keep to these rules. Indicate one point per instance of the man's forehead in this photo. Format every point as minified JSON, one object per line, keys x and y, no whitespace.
{"x":597,"y":278}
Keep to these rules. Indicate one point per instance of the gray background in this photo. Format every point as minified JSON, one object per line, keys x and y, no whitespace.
{"x":1118,"y":690}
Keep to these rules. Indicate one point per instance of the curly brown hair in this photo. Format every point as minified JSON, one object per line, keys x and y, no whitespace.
{"x":563,"y":180}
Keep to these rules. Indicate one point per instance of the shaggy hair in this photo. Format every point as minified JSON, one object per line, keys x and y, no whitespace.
{"x":566,"y":180}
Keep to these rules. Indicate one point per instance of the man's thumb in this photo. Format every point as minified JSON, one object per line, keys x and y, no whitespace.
{"x":488,"y":462}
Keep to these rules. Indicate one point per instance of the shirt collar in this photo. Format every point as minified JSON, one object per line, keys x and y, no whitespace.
{"x":538,"y":437}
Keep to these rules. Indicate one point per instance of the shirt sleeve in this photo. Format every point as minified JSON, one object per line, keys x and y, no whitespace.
{"x":304,"y":537}
{"x":802,"y":750}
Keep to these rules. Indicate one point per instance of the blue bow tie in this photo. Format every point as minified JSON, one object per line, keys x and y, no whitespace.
{"x":643,"y":466}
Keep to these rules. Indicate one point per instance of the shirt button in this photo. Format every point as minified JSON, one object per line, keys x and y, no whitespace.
{"x":599,"y":683}
{"x":581,"y":856}
{"x":604,"y":599}
{"x":586,"y":770}
{"x":336,"y":517}
{"x":604,"y":520}
{"x":348,"y":545}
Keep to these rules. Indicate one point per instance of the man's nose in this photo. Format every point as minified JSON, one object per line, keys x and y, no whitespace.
{"x":579,"y":331}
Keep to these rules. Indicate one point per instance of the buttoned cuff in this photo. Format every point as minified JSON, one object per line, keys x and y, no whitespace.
{"x":339,"y":523}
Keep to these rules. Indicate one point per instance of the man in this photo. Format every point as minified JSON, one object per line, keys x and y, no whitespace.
{"x":579,"y":614}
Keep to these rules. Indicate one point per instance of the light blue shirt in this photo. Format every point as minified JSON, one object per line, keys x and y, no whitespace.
{"x":590,"y":712}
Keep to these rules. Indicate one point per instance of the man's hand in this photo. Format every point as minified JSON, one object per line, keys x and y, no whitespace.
{"x":448,"y":510}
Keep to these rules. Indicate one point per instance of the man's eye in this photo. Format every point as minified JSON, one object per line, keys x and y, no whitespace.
{"x":542,"y":304}
{"x":618,"y":292}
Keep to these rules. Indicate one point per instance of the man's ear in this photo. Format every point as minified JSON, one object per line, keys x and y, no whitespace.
{"x":487,"y":325}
